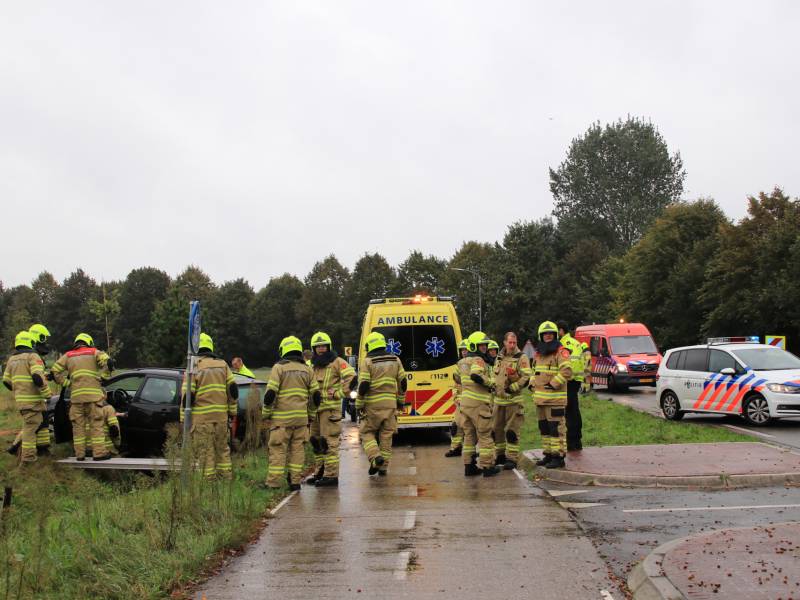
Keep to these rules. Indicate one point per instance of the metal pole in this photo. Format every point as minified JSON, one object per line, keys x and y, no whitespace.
{"x":187,"y":408}
{"x":480,"y":303}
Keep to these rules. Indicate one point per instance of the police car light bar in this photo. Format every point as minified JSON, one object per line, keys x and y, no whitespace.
{"x":741,"y":339}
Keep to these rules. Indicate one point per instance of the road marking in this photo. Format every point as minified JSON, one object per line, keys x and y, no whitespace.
{"x":410,"y":520}
{"x":282,"y":503}
{"x":606,"y":595}
{"x":557,"y":493}
{"x":407,"y":490}
{"x":411,"y":470}
{"x":518,"y":474}
{"x":401,"y":570}
{"x":581,"y":504}
{"x":411,"y":456}
{"x":700,"y":508}
{"x":750,"y":431}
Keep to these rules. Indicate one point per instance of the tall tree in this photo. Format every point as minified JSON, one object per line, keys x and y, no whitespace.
{"x":477,"y":258}
{"x":272,"y":316}
{"x":321,"y":306}
{"x":44,"y":288}
{"x":615,"y":181}
{"x":420,"y":274}
{"x":71,"y":312}
{"x":372,"y":277}
{"x":142,"y":289}
{"x":226,"y":317}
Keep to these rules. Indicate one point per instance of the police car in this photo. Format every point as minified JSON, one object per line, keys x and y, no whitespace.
{"x":732,"y":376}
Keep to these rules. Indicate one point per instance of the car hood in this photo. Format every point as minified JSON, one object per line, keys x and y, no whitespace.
{"x":787,"y":376}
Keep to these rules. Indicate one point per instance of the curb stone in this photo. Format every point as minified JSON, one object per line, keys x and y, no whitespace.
{"x":647,"y":580}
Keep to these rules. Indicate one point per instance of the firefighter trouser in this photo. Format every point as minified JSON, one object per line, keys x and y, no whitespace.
{"x":574,"y":422}
{"x":210,"y":442}
{"x":325,"y":431}
{"x":376,"y":429}
{"x":91,"y":414}
{"x":42,"y":435}
{"x":286,"y":450}
{"x":552,"y":426}
{"x":457,"y":430}
{"x":31,"y":421}
{"x":478,"y":431}
{"x":109,"y":419}
{"x":507,"y":423}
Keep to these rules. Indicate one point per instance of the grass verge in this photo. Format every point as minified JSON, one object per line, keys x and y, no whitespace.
{"x":609,"y":424}
{"x":70,"y":534}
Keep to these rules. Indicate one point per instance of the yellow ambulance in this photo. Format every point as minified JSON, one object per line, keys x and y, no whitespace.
{"x":423,"y":332}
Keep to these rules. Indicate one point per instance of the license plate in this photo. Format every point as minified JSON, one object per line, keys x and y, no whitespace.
{"x":647,"y":380}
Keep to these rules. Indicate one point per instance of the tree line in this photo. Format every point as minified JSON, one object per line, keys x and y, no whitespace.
{"x":620,"y":245}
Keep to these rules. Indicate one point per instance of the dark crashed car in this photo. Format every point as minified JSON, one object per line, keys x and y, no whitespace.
{"x":147,"y":401}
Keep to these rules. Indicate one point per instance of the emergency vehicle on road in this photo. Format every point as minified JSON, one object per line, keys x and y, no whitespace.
{"x":733,"y":375}
{"x":423,"y":331}
{"x":623,"y":354}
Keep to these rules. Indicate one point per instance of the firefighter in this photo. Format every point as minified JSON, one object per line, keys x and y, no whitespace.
{"x":586,"y":355}
{"x":551,"y":372}
{"x":110,"y":428}
{"x":86,"y":367}
{"x":493,"y":349}
{"x":24,"y":376}
{"x":333,"y":376}
{"x":381,"y":393}
{"x":512,"y":371}
{"x":307,"y":356}
{"x":291,"y":390}
{"x":238,"y":368}
{"x":476,"y":408}
{"x":214,"y":405}
{"x":574,"y":386}
{"x":457,"y":426}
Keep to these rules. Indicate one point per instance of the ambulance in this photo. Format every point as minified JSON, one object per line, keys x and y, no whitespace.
{"x":423,"y":331}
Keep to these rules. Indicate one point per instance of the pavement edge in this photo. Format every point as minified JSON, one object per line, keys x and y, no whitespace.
{"x":647,"y":580}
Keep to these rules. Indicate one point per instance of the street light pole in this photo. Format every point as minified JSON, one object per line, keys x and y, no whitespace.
{"x":480,"y":294}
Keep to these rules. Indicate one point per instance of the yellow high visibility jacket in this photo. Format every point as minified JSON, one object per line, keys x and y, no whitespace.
{"x":512,"y":371}
{"x":85,"y":367}
{"x":385,"y":375}
{"x":334,"y":382}
{"x":550,"y":375}
{"x":294,"y":385}
{"x":576,"y":356}
{"x":21,"y":366}
{"x":212,"y":401}
{"x":474,"y":394}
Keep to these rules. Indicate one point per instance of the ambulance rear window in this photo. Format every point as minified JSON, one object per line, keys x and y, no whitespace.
{"x":422,"y":347}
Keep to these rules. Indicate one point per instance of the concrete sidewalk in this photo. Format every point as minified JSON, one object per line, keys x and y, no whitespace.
{"x":746,"y":563}
{"x":718,"y":465}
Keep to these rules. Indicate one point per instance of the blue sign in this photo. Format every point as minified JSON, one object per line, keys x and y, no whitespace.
{"x":434,"y":347}
{"x":393,"y":347}
{"x":194,"y":326}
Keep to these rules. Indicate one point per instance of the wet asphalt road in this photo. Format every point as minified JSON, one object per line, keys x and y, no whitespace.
{"x":627,"y":524}
{"x":425,"y":531}
{"x":785,"y":432}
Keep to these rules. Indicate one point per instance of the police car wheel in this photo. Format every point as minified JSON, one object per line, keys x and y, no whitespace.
{"x":756,"y":410}
{"x":671,"y":406}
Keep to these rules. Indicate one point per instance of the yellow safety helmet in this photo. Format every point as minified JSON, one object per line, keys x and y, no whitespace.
{"x":39,"y":332}
{"x":475,"y":339}
{"x":290,"y":344}
{"x":374,"y":341}
{"x":548,"y":327}
{"x":463,"y":344}
{"x":85,"y":338}
{"x":23,"y":339}
{"x":584,"y":346}
{"x":321,"y":339}
{"x":493,"y":345}
{"x":206,"y":342}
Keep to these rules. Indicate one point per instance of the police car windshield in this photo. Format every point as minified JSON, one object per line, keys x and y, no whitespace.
{"x":422,"y":347}
{"x":633,"y":344}
{"x":767,"y":359}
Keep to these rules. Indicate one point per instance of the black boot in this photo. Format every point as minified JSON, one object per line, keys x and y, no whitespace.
{"x":491,"y":471}
{"x":509,"y":465}
{"x":327,"y":482}
{"x":544,"y":460}
{"x":294,"y":487}
{"x":383,"y":473}
{"x":471,"y":469}
{"x":14,"y":448}
{"x":375,"y":465}
{"x":453,"y":452}
{"x":42,"y":450}
{"x":555,"y":462}
{"x":501,"y":459}
{"x":313,"y":479}
{"x":104,"y":457}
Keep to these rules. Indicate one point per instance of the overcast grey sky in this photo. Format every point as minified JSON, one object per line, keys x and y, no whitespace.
{"x":253,"y":138}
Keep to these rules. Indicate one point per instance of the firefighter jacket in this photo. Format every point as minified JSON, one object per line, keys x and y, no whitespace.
{"x":459,"y":376}
{"x":512,"y":371}
{"x":387,"y":382}
{"x":212,"y":401}
{"x":550,"y":375}
{"x":85,"y":367}
{"x":18,"y":374}
{"x":294,"y":385}
{"x":333,"y":380}
{"x":576,"y":356}
{"x":473,"y":393}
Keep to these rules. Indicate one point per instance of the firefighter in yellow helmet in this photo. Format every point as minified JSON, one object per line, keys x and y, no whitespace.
{"x":457,"y":426}
{"x":381,"y":393}
{"x":292,"y":394}
{"x":492,"y":350}
{"x":214,"y":404}
{"x":512,"y":371}
{"x":476,"y":407}
{"x":551,"y":371}
{"x":24,"y":376}
{"x":86,"y":367}
{"x":333,"y":376}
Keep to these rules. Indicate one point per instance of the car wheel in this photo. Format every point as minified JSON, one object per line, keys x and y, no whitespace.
{"x":671,"y":406}
{"x":756,"y":410}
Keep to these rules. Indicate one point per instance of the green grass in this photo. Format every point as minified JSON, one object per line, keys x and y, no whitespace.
{"x":73,"y":535}
{"x":609,"y":424}
{"x":262,"y":373}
